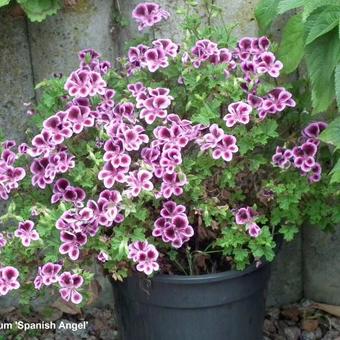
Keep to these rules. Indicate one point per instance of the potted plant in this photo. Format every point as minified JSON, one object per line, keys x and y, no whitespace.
{"x":175,"y":171}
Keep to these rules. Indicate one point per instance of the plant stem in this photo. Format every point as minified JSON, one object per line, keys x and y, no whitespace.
{"x":207,"y":252}
{"x":189,"y":257}
{"x":180,"y":267}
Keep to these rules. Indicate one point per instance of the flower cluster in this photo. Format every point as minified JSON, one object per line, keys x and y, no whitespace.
{"x":10,"y":176}
{"x":102,"y":256}
{"x":223,"y":145}
{"x":206,"y":50}
{"x":252,"y":58}
{"x":45,"y":169}
{"x":87,"y":79}
{"x":238,"y":113}
{"x":69,"y":284}
{"x":63,"y":191}
{"x":77,"y":225}
{"x":275,"y":101}
{"x":152,"y":58}
{"x":137,"y":181}
{"x":145,"y":255}
{"x":49,"y":274}
{"x":147,"y":14}
{"x":26,"y":233}
{"x":247,"y":216}
{"x":255,"y":60}
{"x":154,"y":104}
{"x":173,"y":225}
{"x":51,"y":157}
{"x":8,"y":279}
{"x":303,"y":156}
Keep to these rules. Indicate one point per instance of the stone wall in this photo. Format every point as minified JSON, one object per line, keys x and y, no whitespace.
{"x":31,"y":52}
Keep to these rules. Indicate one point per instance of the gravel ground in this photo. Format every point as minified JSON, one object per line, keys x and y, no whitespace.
{"x":302,"y":321}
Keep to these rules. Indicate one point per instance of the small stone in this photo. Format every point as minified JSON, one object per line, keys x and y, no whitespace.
{"x":310,"y":325}
{"x":279,"y":337}
{"x":331,"y":335}
{"x":292,"y":333}
{"x":318,"y":333}
{"x":335,"y":323}
{"x":269,"y":327}
{"x":49,"y":336}
{"x":308,"y":336}
{"x":281,"y":325}
{"x":291,"y":313}
{"x":307,"y":303}
{"x":290,"y":322}
{"x":62,"y":333}
{"x":274,"y":313}
{"x":108,"y":334}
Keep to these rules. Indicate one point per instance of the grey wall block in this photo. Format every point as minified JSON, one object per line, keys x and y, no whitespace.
{"x":16,"y":85}
{"x":240,"y":12}
{"x":286,"y":283}
{"x":322,"y":265}
{"x":56,"y":41}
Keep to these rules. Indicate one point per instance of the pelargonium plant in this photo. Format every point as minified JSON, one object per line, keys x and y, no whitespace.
{"x":187,"y":158}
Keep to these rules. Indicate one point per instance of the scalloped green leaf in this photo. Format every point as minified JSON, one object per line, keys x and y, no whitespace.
{"x":322,"y":22}
{"x":4,"y":2}
{"x":38,"y":10}
{"x":265,"y":13}
{"x":332,"y":134}
{"x":311,"y":5}
{"x":287,"y":5}
{"x":322,"y":57}
{"x":337,"y":84}
{"x":291,"y":48}
{"x":336,"y":173}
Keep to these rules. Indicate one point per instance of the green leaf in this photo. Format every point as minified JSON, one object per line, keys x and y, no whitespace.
{"x":256,"y":161}
{"x":207,"y":113}
{"x":4,"y":2}
{"x":321,"y":57}
{"x":336,"y":173}
{"x":265,"y":13}
{"x":322,"y":22}
{"x":289,"y":232}
{"x":311,"y":5}
{"x":287,"y":5}
{"x":291,"y":49}
{"x":123,"y":248}
{"x":38,"y":10}
{"x":337,"y":84}
{"x":332,"y":134}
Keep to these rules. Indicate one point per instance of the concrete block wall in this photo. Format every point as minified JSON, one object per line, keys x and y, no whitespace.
{"x":16,"y":85}
{"x":31,"y":52}
{"x":321,"y":265}
{"x":55,"y":42}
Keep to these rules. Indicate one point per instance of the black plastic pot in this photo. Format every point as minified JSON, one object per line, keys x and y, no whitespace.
{"x":222,"y":306}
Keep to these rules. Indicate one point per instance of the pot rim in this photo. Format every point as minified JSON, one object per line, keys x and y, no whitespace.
{"x":206,"y":278}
